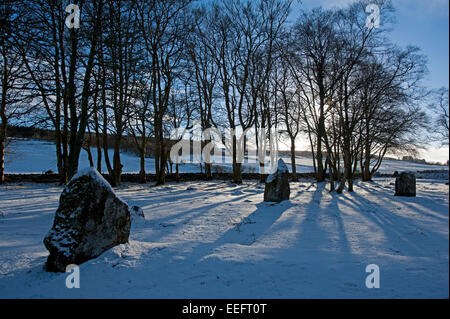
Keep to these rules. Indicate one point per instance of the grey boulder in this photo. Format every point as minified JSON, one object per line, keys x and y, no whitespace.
{"x":90,"y":219}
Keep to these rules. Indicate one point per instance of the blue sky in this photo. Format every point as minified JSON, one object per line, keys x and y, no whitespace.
{"x":422,"y":23}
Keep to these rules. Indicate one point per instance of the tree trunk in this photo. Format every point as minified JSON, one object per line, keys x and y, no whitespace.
{"x":157,"y":158}
{"x":4,"y":121}
{"x":262,"y":176}
{"x":91,"y":160}
{"x":347,"y":171}
{"x":2,"y":149}
{"x":117,"y":165}
{"x":366,"y":175}
{"x":331,"y":174}
{"x":321,"y":132}
{"x":343,"y":181}
{"x":350,"y":184}
{"x":160,"y":156}
{"x":320,"y":176}
{"x":312,"y":152}
{"x":208,"y":171}
{"x":59,"y":158}
{"x":237,"y":176}
{"x":105,"y":151}
{"x":98,"y":143}
{"x":161,"y":177}
{"x":142,"y":177}
{"x":87,"y":148}
{"x":352,"y":174}
{"x":78,"y":123}
{"x":64,"y":178}
{"x":294,"y":168}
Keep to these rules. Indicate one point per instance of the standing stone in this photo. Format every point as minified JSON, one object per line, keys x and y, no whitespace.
{"x":89,"y":220}
{"x":405,"y":185}
{"x":277,"y":184}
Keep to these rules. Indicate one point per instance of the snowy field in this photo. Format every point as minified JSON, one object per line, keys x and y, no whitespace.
{"x":216,"y":240}
{"x":31,"y":156}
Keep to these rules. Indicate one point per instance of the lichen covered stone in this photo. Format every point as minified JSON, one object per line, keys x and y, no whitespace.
{"x":90,"y":219}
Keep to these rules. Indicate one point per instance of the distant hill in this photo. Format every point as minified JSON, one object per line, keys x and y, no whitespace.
{"x":37,"y":156}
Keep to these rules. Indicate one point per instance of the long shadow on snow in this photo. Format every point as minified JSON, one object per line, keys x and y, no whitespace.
{"x":235,"y":235}
{"x":175,"y":195}
{"x":408,"y":201}
{"x":396,"y":228}
{"x":185,"y":217}
{"x":315,"y":236}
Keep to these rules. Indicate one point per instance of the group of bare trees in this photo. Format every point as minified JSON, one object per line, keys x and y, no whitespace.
{"x":359,"y":96}
{"x":14,"y":86}
{"x":144,"y":68}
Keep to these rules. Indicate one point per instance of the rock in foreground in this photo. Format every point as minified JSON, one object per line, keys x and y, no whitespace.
{"x":89,"y":220}
{"x":405,"y":185}
{"x":277,"y":184}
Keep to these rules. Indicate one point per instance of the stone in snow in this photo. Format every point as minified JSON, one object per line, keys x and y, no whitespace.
{"x":277,"y":184}
{"x":405,"y":185}
{"x":90,"y":219}
{"x":137,"y":214}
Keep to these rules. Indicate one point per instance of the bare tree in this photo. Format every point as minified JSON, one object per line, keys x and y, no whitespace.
{"x":242,"y":47}
{"x":315,"y":43}
{"x":288,"y":108}
{"x":204,"y":75}
{"x":439,"y":105}
{"x":389,"y":95}
{"x":123,"y":61}
{"x":60,"y":67}
{"x":79,"y":112}
{"x":43,"y":48}
{"x":15,"y":92}
{"x":180,"y":112}
{"x":139,"y":126}
{"x":164,"y":29}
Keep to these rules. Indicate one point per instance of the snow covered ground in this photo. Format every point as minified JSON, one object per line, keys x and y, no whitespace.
{"x":216,"y":240}
{"x":31,"y":156}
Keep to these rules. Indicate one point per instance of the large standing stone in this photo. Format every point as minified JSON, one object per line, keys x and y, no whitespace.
{"x":89,"y":220}
{"x":405,"y":185}
{"x":277,"y":184}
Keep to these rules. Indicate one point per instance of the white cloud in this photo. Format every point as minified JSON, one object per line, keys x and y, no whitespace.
{"x":434,"y":154}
